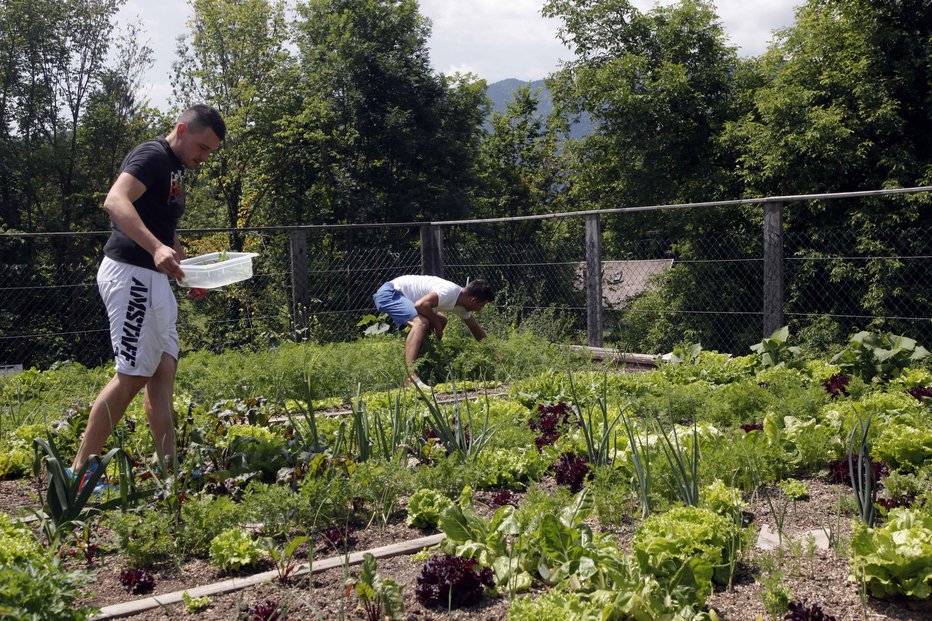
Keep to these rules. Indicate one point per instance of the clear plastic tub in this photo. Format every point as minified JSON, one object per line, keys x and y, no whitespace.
{"x":208,"y":271}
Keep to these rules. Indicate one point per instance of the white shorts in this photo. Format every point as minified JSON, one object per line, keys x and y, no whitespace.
{"x":142,"y":311}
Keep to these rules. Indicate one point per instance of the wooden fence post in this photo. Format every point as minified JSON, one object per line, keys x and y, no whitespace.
{"x":300,"y":296}
{"x":432,"y":250}
{"x":594,"y":280}
{"x":773,"y":268}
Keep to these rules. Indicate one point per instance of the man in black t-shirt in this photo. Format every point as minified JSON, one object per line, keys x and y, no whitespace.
{"x":143,"y":252}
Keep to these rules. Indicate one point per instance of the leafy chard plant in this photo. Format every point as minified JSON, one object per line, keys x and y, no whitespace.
{"x":774,"y":351}
{"x":284,"y":557}
{"x":878,"y":356}
{"x":379,"y":597}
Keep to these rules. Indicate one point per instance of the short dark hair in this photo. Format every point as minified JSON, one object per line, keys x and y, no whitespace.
{"x":481,"y":290}
{"x":200,"y":116}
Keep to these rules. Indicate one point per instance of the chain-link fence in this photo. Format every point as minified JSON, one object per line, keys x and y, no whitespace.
{"x":656,"y":292}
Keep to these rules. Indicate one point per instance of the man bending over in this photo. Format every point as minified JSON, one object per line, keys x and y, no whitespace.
{"x":421,"y":301}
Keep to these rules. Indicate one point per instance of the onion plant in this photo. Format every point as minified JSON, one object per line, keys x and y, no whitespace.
{"x":862,"y":474}
{"x":601,"y":441}
{"x":66,"y":506}
{"x":684,"y":461}
{"x":458,"y":435}
{"x":640,"y":460}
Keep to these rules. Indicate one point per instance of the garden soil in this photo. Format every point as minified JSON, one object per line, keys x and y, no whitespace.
{"x":819,"y":576}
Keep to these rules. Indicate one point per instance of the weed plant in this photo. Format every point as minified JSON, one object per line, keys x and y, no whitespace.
{"x":146,"y":537}
{"x":613,"y":495}
{"x":203,"y":518}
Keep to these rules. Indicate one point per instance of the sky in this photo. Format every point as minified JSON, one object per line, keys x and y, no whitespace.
{"x":494,"y":39}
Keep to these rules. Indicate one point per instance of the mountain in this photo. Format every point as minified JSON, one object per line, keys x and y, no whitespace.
{"x":502,"y":92}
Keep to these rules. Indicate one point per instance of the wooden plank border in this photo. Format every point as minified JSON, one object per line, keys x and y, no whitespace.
{"x":138,"y":606}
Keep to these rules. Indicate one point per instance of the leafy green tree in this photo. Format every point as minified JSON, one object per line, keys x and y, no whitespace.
{"x":845,"y":101}
{"x":400,"y":139}
{"x":844,"y":105}
{"x":114,"y":122}
{"x":659,"y":87}
{"x":234,"y":59}
{"x":521,"y":170}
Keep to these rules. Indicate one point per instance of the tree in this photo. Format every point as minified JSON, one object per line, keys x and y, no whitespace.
{"x":845,"y":105}
{"x":114,"y":122}
{"x":659,"y":87}
{"x":234,"y":59}
{"x":845,"y":101}
{"x":521,"y":169}
{"x":401,"y":139}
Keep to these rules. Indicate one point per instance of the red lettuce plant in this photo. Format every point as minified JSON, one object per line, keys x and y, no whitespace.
{"x":137,"y":580}
{"x":835,"y":385}
{"x":749,"y":427}
{"x":502,"y":498}
{"x":264,"y":611}
{"x":921,"y":393}
{"x":338,"y":537}
{"x":549,"y":420}
{"x":450,"y":581}
{"x":840,"y":472}
{"x":799,"y":611}
{"x":572,"y":471}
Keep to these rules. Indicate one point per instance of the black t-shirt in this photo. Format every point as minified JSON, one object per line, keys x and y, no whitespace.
{"x":160,"y":207}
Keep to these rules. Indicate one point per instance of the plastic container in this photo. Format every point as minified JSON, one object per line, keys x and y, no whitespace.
{"x":208,"y":271}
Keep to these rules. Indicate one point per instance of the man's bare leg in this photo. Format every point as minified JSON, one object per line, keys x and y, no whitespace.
{"x":160,"y":408}
{"x":106,"y":412}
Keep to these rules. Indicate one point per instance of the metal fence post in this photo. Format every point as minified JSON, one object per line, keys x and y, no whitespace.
{"x":300,"y":296}
{"x":773,"y":267}
{"x":594,"y":280}
{"x":432,"y":250}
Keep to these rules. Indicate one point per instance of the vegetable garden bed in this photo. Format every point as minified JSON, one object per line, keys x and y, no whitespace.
{"x":638,"y":495}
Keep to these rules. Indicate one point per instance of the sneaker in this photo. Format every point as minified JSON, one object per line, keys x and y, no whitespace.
{"x":414,"y":380}
{"x":100,"y":488}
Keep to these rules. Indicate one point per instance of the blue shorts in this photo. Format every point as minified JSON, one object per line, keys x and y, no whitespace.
{"x":389,"y":300}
